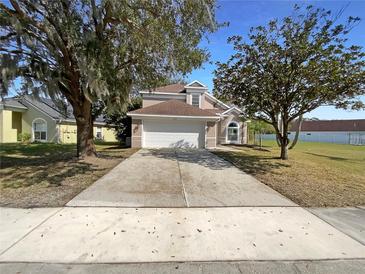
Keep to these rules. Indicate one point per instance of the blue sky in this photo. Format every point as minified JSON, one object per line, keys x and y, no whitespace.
{"x":245,"y":14}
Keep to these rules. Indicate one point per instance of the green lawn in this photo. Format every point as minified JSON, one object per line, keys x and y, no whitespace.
{"x":316,"y":174}
{"x":49,"y":174}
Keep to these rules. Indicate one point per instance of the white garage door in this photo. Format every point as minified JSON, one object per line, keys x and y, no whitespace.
{"x":168,"y":133}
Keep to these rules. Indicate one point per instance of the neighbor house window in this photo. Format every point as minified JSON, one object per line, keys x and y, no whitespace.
{"x":39,"y":130}
{"x":99,"y":134}
{"x":195,"y":100}
{"x":232,"y":132}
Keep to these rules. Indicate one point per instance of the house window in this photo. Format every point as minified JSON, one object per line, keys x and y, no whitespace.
{"x":195,"y":100}
{"x":39,"y":130}
{"x":232,"y":132}
{"x":99,"y":134}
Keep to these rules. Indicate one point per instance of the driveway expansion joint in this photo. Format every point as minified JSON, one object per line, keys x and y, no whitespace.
{"x":181,"y":180}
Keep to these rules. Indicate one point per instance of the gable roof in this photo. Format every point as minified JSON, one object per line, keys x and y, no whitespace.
{"x":12,"y":103}
{"x":177,"y":87}
{"x":173,"y":88}
{"x":211,"y":97}
{"x":195,"y":84}
{"x":234,"y":108}
{"x":332,"y":125}
{"x":39,"y":103}
{"x":173,"y":108}
{"x":47,"y":106}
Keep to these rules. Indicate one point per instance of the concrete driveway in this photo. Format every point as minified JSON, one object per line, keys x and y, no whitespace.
{"x":178,"y":178}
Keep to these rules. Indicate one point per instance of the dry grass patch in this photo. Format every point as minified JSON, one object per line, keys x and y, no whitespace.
{"x":316,"y":174}
{"x":48,"y":175}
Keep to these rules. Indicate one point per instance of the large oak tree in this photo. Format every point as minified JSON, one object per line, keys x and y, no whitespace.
{"x":90,"y":51}
{"x":291,"y":67}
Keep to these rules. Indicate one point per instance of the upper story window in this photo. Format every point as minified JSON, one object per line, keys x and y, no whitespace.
{"x":195,"y":100}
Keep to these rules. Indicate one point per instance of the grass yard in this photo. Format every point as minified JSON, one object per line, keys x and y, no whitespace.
{"x":49,"y":175}
{"x":316,"y":174}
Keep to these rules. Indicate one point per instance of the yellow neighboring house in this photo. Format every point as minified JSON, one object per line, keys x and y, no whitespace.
{"x":44,"y":121}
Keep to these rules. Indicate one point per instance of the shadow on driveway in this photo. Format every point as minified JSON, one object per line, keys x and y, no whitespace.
{"x":194,"y":156}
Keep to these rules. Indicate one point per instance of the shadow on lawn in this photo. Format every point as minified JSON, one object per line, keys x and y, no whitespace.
{"x":35,"y":172}
{"x":255,"y":147}
{"x":37,"y":149}
{"x":252,"y":164}
{"x":328,"y":157}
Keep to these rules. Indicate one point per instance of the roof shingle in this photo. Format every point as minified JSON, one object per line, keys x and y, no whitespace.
{"x":11,"y":102}
{"x":46,"y":105}
{"x":174,"y":88}
{"x":173,"y":108}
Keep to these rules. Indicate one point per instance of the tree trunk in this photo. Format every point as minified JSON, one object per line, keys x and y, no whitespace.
{"x":277,"y":140}
{"x":284,"y":152}
{"x":300,"y":121}
{"x":284,"y":141}
{"x":85,"y":134}
{"x":280,"y":129}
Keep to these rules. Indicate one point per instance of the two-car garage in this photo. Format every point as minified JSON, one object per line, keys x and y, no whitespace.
{"x":173,"y":124}
{"x":173,"y":133}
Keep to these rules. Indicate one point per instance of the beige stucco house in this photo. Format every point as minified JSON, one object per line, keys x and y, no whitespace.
{"x":43,"y":121}
{"x":185,"y":116}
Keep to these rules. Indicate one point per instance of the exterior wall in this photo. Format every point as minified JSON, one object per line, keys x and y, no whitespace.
{"x":152,"y":101}
{"x":336,"y":137}
{"x":136,"y":132}
{"x":68,"y":133}
{"x":8,"y":130}
{"x":211,"y":135}
{"x":108,"y":134}
{"x":31,"y":114}
{"x":17,"y":122}
{"x":188,"y":98}
{"x":222,"y":129}
{"x":207,"y":103}
{"x":244,"y":133}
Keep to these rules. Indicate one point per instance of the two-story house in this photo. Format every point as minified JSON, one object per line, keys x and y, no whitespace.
{"x":185,"y":116}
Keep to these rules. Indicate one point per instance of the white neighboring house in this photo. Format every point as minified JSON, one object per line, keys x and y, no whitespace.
{"x":329,"y":131}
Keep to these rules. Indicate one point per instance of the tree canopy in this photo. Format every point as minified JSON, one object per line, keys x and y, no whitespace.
{"x":88,"y":50}
{"x":120,"y":121}
{"x":292,"y":66}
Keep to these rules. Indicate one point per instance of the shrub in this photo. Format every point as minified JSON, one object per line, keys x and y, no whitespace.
{"x":24,"y":137}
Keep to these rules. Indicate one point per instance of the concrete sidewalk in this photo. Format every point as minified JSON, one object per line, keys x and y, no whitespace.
{"x":121,"y":235}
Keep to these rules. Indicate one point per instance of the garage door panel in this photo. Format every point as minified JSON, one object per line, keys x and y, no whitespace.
{"x":184,"y":134}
